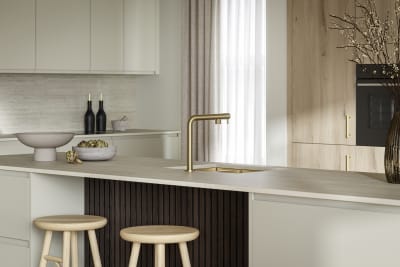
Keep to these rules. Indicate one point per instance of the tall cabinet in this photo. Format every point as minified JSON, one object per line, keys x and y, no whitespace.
{"x":322,"y":92}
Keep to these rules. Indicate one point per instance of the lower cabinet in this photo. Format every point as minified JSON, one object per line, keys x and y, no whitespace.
{"x":287,"y":232}
{"x":337,"y":157}
{"x":14,"y":253}
{"x":24,"y":197}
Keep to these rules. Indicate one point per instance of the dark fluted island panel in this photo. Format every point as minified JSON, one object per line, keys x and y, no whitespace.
{"x":221,"y":216}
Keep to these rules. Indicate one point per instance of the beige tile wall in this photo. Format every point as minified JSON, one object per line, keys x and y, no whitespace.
{"x":38,"y":102}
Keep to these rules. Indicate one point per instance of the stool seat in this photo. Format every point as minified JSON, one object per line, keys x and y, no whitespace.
{"x":72,"y":223}
{"x":159,"y":234}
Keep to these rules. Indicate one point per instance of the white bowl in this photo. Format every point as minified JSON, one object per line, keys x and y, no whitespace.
{"x":119,"y":125}
{"x":44,"y":143}
{"x":95,"y":153}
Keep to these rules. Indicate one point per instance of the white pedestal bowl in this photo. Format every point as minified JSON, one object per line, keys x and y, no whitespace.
{"x":45,"y":143}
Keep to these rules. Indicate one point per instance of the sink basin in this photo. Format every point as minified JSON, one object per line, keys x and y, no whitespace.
{"x":44,"y":143}
{"x":227,"y":170}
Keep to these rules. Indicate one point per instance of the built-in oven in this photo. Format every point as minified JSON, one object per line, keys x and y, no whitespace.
{"x":375,"y":106}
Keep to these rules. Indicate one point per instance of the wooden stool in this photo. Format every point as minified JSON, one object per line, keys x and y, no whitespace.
{"x":69,"y":225}
{"x":159,"y":235}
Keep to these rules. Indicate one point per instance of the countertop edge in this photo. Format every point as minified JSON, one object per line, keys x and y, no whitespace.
{"x":267,"y":191}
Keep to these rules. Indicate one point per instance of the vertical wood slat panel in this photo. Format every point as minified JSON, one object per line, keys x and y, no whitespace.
{"x":221,"y":216}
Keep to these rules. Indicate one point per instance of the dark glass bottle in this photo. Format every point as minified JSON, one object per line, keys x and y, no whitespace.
{"x":89,"y":119}
{"x":101,"y":119}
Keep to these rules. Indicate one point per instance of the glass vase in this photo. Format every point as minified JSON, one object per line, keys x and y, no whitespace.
{"x":392,"y":151}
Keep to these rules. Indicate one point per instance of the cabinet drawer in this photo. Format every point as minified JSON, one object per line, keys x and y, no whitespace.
{"x":14,"y":253}
{"x":14,"y":205}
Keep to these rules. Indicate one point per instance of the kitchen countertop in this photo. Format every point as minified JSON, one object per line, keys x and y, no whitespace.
{"x":108,"y":133}
{"x":292,"y":182}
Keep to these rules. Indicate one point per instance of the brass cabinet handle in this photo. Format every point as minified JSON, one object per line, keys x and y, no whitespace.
{"x":348,"y":134}
{"x":348,"y":157}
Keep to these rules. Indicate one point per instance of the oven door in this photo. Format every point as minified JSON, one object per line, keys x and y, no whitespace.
{"x":375,"y":109}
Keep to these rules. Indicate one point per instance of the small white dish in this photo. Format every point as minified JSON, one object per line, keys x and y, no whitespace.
{"x":95,"y":153}
{"x":44,"y":143}
{"x":119,"y":125}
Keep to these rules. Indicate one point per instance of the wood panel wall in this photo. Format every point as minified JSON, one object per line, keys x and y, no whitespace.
{"x":221,"y":217}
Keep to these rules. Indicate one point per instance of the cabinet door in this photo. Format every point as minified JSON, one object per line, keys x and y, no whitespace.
{"x":322,"y":80}
{"x":17,"y":31}
{"x":338,"y":157}
{"x":107,"y":36}
{"x":289,"y":232}
{"x":63,"y":35}
{"x":15,"y":205}
{"x":14,"y":253}
{"x":326,"y":157}
{"x":141,"y":38}
{"x":368,"y":159}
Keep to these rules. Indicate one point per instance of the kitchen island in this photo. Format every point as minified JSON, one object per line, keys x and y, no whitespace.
{"x":274,"y":217}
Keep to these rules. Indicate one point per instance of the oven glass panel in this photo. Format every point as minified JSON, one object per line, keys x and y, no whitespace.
{"x":381,"y":110}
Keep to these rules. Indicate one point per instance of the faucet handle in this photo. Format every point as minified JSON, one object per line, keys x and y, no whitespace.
{"x":217,"y":121}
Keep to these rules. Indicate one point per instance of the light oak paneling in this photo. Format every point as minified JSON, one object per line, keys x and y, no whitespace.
{"x":17,"y":31}
{"x":322,"y":80}
{"x":338,"y":157}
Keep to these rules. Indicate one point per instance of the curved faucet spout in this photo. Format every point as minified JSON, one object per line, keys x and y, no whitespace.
{"x":216,"y":117}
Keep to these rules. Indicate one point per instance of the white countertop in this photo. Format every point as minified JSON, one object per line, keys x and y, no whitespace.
{"x":317,"y":184}
{"x":109,"y":133}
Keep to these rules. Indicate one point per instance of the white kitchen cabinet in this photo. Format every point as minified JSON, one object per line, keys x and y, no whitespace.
{"x":24,"y":197}
{"x":107,"y":36}
{"x":141,"y":36}
{"x":62,"y":36}
{"x":287,"y":232}
{"x":14,"y":253}
{"x":14,"y":205}
{"x":17,"y":31}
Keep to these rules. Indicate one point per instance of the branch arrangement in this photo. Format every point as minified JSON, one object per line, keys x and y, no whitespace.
{"x":372,"y":39}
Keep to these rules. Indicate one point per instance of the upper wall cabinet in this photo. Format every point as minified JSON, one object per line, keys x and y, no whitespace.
{"x":141,"y":38}
{"x":63,"y":35}
{"x":17,"y":35}
{"x":322,"y":80}
{"x":107,"y":36}
{"x":79,"y":36}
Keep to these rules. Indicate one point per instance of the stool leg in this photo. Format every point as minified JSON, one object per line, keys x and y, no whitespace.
{"x":134,"y":255}
{"x":46,"y":248}
{"x":94,"y":248}
{"x":74,"y":249}
{"x":184,"y":254}
{"x":66,"y":248}
{"x":159,"y":255}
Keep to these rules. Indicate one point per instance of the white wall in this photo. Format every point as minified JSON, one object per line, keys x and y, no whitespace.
{"x":158,"y":103}
{"x":277,"y":82}
{"x":41,"y":102}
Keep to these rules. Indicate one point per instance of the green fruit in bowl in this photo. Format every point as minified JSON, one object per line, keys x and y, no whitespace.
{"x":93,"y":143}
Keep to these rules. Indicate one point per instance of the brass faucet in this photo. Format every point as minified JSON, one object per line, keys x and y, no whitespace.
{"x":216,"y":117}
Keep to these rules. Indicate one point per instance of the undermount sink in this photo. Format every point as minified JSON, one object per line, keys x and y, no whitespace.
{"x":223,"y":169}
{"x":227,"y":170}
{"x":44,"y":143}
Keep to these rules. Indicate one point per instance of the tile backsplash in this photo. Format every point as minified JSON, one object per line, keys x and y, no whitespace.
{"x":52,"y":102}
